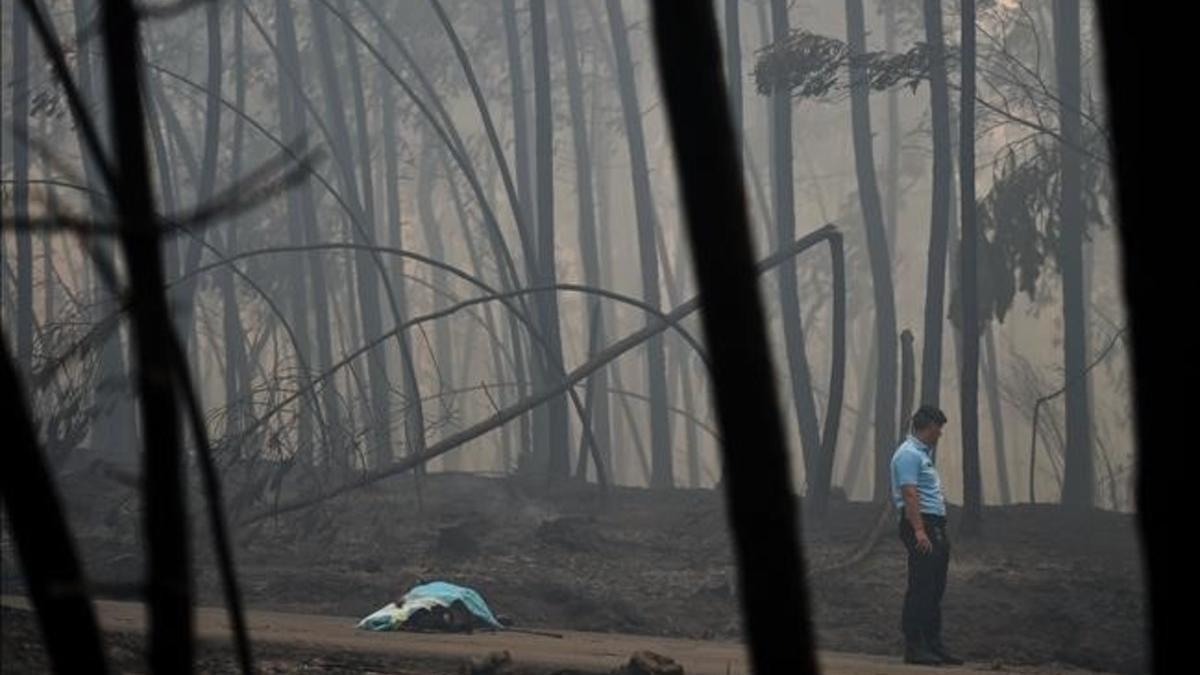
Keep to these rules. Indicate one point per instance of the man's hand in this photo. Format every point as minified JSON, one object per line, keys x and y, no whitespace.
{"x":924,"y":545}
{"x":912,"y":512}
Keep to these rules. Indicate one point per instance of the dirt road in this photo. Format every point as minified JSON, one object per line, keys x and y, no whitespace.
{"x":592,"y":652}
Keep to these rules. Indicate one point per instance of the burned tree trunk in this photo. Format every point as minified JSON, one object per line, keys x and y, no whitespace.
{"x":789,"y":297}
{"x":20,"y":193}
{"x":598,"y":383}
{"x":237,"y":378}
{"x":891,"y":204}
{"x":881,"y":268}
{"x":433,"y":240}
{"x":969,"y":387}
{"x":301,"y":215}
{"x":908,"y":381}
{"x":991,"y":374}
{"x":559,"y":459}
{"x":1079,"y":476}
{"x":188,"y":330}
{"x":516,"y":75}
{"x":662,"y":469}
{"x":363,"y":222}
{"x":935,"y":271}
{"x":414,"y":417}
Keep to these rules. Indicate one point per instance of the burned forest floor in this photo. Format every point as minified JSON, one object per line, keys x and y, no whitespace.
{"x":1037,"y":587}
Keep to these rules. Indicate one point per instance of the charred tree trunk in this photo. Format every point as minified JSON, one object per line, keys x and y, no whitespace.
{"x":769,"y":232}
{"x":891,"y":207}
{"x":208,"y":173}
{"x":433,"y":240}
{"x":167,"y":177}
{"x":48,"y":295}
{"x":237,"y":378}
{"x":301,"y":214}
{"x":414,"y":417}
{"x":935,"y":279}
{"x":908,"y":382}
{"x":881,"y":268}
{"x":823,"y":484}
{"x":789,"y":298}
{"x":20,"y":193}
{"x":598,"y":134}
{"x":379,"y":381}
{"x":862,"y":422}
{"x":365,"y":275}
{"x":991,"y":374}
{"x":586,"y":207}
{"x":662,"y":469}
{"x":516,"y":73}
{"x":969,"y":388}
{"x":559,"y":448}
{"x":517,"y":372}
{"x":1079,"y":474}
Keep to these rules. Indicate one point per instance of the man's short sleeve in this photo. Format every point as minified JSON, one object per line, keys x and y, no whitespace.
{"x":905,"y":468}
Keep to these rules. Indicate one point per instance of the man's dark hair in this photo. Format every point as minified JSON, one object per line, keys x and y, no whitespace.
{"x":927,"y":416}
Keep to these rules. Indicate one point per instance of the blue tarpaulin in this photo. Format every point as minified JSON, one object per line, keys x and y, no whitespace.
{"x":425,"y":596}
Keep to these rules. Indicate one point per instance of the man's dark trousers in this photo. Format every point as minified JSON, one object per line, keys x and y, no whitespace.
{"x":922,"y":617}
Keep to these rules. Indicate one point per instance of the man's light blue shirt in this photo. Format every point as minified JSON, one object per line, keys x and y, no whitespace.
{"x":912,"y":464}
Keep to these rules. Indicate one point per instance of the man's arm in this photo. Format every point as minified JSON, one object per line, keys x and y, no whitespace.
{"x":912,"y":511}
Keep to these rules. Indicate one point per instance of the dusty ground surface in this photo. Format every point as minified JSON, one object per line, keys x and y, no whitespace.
{"x":1037,"y":589}
{"x":289,"y":642}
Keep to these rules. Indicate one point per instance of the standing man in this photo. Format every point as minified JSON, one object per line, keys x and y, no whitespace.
{"x":917,"y":494}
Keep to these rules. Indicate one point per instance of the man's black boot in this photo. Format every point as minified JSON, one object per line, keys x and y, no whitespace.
{"x":918,"y":653}
{"x":940,"y":651}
